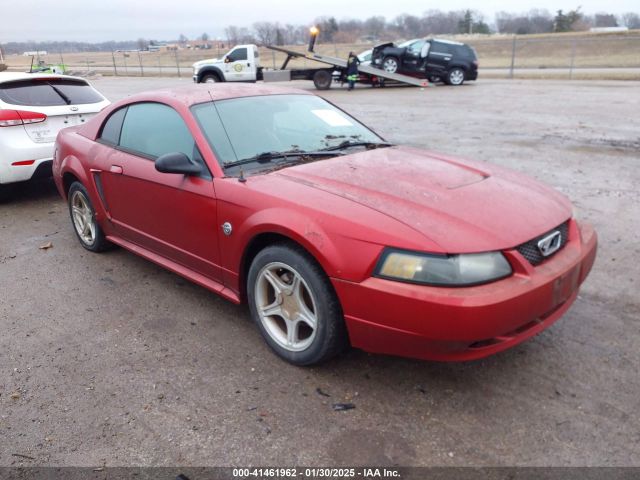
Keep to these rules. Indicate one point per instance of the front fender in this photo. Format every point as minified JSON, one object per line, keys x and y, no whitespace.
{"x":340,"y":256}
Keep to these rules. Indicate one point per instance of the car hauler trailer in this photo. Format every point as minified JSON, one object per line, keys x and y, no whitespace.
{"x":242,"y":64}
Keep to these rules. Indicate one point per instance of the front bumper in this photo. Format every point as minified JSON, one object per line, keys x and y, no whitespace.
{"x":455,"y":324}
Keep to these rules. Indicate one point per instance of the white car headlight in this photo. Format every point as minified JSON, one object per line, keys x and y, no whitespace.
{"x":442,"y":270}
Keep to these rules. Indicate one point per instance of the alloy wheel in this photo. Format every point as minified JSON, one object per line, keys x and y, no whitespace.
{"x":390,"y":65}
{"x":286,"y":306}
{"x":83,"y":219}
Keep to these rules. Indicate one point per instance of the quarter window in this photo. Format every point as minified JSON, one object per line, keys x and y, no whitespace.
{"x":111,"y":130}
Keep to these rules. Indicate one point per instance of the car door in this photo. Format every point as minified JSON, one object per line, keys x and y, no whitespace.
{"x":171,"y":215}
{"x":239,"y":66}
{"x":439,"y":57}
{"x":411,"y":61}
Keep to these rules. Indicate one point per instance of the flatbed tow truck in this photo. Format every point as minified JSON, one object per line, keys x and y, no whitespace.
{"x":242,"y":64}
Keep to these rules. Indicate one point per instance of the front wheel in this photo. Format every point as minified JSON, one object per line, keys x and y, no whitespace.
{"x":210,"y":78}
{"x":294,"y":305}
{"x":455,"y":76}
{"x":83,"y":217}
{"x":390,"y":64}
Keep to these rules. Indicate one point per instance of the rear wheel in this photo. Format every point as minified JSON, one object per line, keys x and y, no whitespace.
{"x":5,"y":192}
{"x":210,"y":78}
{"x":294,"y":305}
{"x":390,"y":64}
{"x":455,"y":76}
{"x":322,"y":79}
{"x":83,"y":217}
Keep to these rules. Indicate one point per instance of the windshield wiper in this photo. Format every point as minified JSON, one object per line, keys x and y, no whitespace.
{"x":59,"y":92}
{"x":351,"y":143}
{"x":266,"y":157}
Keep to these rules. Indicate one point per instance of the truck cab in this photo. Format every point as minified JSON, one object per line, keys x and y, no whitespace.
{"x":240,"y":64}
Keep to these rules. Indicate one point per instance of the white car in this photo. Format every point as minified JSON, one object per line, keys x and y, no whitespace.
{"x":365,"y":57}
{"x":33,"y":109}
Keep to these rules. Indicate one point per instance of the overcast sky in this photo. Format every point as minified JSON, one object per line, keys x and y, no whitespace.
{"x":87,"y":20}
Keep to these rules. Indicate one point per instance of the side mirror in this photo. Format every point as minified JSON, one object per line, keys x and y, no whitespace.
{"x":227,"y":59}
{"x":177,"y":162}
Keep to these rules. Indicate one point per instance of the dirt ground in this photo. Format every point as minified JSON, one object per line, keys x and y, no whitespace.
{"x":108,"y":359}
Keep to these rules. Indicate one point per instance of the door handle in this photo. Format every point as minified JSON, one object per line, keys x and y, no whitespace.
{"x":117,"y":169}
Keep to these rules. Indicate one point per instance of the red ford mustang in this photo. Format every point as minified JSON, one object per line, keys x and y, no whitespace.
{"x":332,"y":235}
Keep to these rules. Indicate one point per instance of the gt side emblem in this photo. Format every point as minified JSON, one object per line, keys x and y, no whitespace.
{"x":227,"y":228}
{"x":550,"y":243}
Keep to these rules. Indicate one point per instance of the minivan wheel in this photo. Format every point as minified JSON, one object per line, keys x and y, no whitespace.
{"x":390,"y":64}
{"x":294,"y":305}
{"x":455,"y":76}
{"x":83,"y":218}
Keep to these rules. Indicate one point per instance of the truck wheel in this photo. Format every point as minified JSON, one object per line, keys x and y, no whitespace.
{"x":455,"y":76}
{"x":210,"y":78}
{"x":390,"y":64}
{"x":322,"y":79}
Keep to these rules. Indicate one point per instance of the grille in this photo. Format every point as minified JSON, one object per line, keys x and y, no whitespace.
{"x":530,"y":251}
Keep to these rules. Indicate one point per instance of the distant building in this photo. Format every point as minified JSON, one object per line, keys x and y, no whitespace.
{"x":608,"y":29}
{"x":35,"y":53}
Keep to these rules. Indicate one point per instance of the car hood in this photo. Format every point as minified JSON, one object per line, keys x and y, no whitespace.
{"x":461,"y":206}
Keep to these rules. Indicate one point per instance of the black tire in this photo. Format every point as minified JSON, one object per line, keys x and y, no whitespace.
{"x":98,"y":243}
{"x":455,"y":76}
{"x":6,"y":192}
{"x":434,"y":79}
{"x":210,"y":78}
{"x":322,"y":79}
{"x":390,"y":64}
{"x":330,"y":334}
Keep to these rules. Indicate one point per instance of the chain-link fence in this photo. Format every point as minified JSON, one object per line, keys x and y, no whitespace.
{"x":570,"y":56}
{"x":553,"y":56}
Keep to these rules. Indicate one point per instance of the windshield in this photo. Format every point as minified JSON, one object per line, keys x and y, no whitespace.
{"x":243,"y":128}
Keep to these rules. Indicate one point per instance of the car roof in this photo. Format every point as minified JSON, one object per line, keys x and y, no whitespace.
{"x":12,"y":76}
{"x":206,"y":92}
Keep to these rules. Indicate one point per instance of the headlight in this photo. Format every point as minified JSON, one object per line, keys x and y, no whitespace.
{"x":442,"y":270}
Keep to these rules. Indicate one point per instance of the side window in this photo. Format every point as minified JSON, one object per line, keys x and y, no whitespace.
{"x":416,"y":47}
{"x":237,"y":54}
{"x":153,"y":129}
{"x":441,"y":48}
{"x":110,"y":133}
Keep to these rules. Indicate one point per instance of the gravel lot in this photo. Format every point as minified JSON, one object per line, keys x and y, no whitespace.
{"x":108,"y":359}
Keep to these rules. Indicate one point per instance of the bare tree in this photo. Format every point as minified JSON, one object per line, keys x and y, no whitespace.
{"x":605,"y":20}
{"x":233,"y":34}
{"x":630,"y":20}
{"x":143,"y":44}
{"x":265,"y":32}
{"x":374,"y":26}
